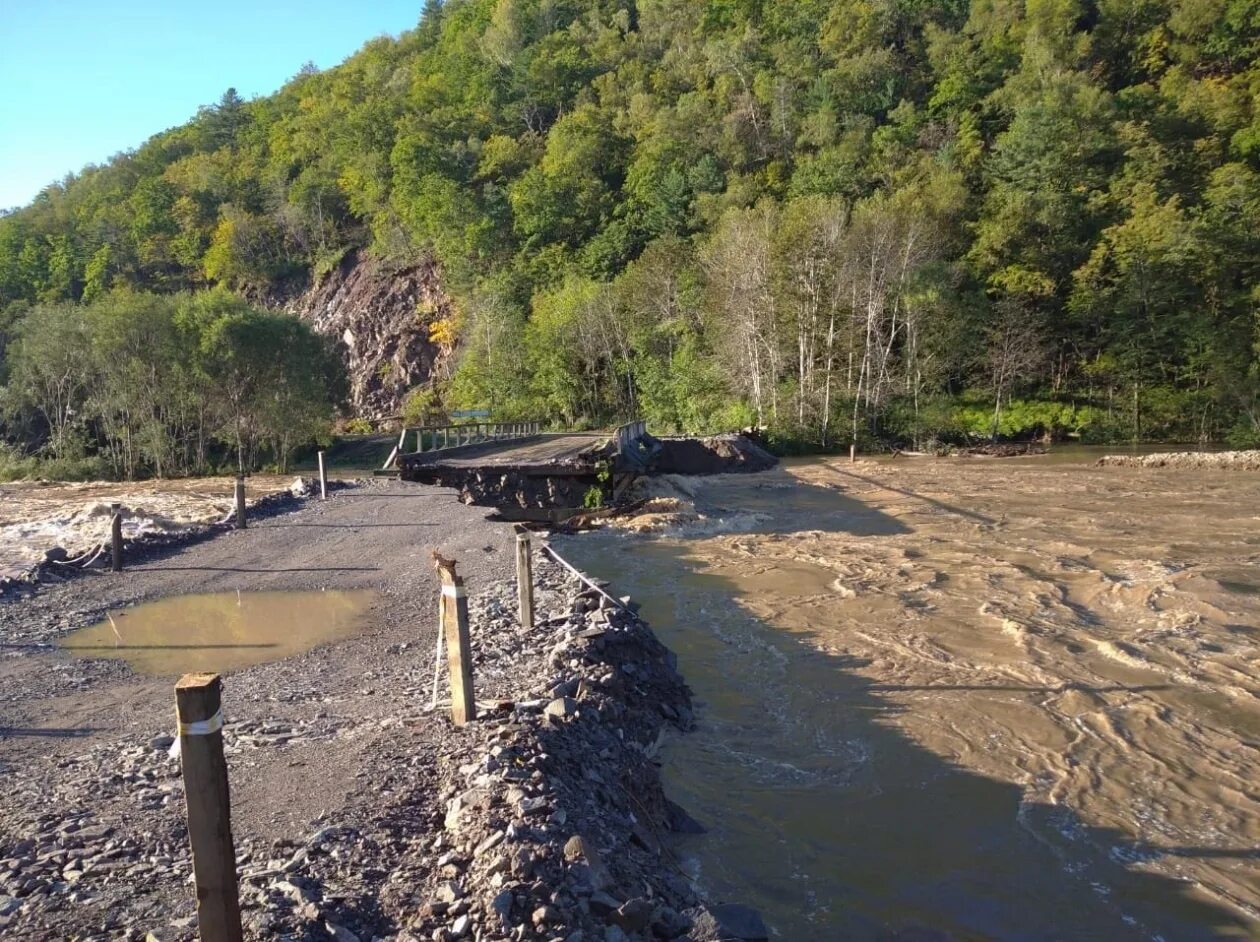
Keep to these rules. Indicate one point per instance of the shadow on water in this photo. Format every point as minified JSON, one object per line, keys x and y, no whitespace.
{"x":824,"y":815}
{"x":932,"y":501}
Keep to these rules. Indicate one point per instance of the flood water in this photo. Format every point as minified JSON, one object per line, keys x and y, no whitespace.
{"x":966,"y":699}
{"x":222,"y":631}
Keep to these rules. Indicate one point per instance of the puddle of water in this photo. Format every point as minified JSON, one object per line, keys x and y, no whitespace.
{"x":222,"y":631}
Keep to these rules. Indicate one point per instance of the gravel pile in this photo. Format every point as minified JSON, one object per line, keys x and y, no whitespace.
{"x":1188,"y":460}
{"x":544,"y":819}
{"x":720,"y":454}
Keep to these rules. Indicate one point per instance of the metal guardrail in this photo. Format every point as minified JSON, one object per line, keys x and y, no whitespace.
{"x":441,"y":437}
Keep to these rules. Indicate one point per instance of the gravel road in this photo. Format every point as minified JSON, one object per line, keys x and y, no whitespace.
{"x":358,"y":814}
{"x":375,"y":536}
{"x":55,"y":709}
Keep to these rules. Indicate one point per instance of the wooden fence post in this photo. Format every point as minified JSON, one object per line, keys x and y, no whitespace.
{"x":199,"y":709}
{"x":420,"y":440}
{"x":115,"y":538}
{"x":240,"y":502}
{"x":454,"y":611}
{"x":323,"y":478}
{"x":525,"y":577}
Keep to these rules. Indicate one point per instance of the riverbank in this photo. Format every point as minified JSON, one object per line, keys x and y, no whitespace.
{"x":358,"y":813}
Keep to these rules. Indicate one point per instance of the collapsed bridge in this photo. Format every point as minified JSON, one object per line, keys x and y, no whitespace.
{"x":519,"y":468}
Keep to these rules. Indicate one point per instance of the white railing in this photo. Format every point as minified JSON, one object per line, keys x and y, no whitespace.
{"x":630,"y":433}
{"x":441,"y":437}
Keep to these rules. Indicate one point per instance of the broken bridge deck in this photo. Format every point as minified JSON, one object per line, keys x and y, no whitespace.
{"x":538,"y":471}
{"x":545,"y":453}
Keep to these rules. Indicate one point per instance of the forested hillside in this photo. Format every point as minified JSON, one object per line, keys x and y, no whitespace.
{"x":896,"y":218}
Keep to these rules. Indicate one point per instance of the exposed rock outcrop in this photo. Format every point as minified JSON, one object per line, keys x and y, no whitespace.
{"x":381,"y":317}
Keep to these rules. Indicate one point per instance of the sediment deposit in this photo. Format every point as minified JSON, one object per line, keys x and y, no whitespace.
{"x":1187,"y":460}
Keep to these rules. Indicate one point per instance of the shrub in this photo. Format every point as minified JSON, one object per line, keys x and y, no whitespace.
{"x":14,"y":465}
{"x":420,"y":402}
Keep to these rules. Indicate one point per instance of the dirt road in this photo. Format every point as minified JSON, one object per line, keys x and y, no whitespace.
{"x":376,"y":537}
{"x":358,"y":813}
{"x":62,"y":718}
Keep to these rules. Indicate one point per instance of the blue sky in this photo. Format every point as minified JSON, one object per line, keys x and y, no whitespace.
{"x":81,"y":80}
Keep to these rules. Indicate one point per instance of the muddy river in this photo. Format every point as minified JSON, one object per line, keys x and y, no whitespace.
{"x":966,"y":699}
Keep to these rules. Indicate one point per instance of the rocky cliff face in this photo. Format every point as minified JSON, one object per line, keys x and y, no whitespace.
{"x":381,"y":317}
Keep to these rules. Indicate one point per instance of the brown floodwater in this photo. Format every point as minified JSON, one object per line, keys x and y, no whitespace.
{"x":38,"y":515}
{"x":966,"y":699}
{"x":221,"y":631}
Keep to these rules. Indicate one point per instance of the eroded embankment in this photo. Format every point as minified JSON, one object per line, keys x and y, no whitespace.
{"x":544,"y":819}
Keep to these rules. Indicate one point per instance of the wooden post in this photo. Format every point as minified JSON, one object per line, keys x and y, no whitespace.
{"x":419,"y":440}
{"x":454,"y":609}
{"x":323,"y":478}
{"x":240,"y":502}
{"x":853,"y":451}
{"x":198,"y":708}
{"x":524,"y":577}
{"x":115,"y":538}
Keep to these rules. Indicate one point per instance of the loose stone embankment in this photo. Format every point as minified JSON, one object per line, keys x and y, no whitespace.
{"x":359,"y":813}
{"x":1187,"y":460}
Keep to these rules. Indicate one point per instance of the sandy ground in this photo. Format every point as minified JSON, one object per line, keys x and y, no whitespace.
{"x":377,"y":537}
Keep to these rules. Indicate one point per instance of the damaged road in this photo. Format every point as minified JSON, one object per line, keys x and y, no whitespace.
{"x":358,"y":813}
